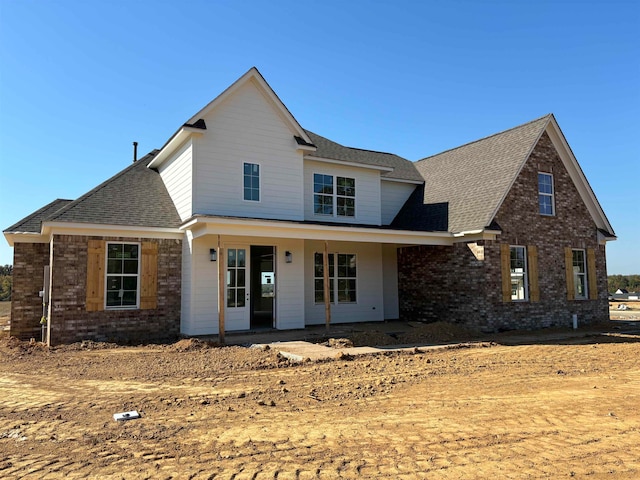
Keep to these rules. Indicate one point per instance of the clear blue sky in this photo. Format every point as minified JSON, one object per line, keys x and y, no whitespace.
{"x":81,"y":80}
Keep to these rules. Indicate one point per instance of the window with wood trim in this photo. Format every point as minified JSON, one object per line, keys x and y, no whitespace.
{"x":121,"y":275}
{"x":519,"y":267}
{"x":345,"y":282}
{"x":518,"y":271}
{"x":580,"y":266}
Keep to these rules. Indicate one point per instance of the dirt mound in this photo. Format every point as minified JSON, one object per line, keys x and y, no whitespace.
{"x":190,"y":345}
{"x":20,"y":347}
{"x":339,"y":343}
{"x":85,"y":345}
{"x":438,"y":332}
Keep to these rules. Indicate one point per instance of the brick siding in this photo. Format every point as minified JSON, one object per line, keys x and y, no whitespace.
{"x":29,"y":260}
{"x":450,"y":283}
{"x":70,"y":322}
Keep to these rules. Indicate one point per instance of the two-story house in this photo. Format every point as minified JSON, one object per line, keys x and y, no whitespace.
{"x":244,"y":220}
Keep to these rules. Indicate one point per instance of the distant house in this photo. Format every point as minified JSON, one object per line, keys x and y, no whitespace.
{"x":236,"y":216}
{"x":622,"y":291}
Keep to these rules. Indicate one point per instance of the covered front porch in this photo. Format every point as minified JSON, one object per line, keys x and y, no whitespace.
{"x":246,"y":274}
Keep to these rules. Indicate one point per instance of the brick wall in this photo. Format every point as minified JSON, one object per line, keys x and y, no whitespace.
{"x":71,"y":322}
{"x":29,"y":260}
{"x":450,"y":283}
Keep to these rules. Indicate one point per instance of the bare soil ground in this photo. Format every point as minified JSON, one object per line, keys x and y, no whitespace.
{"x":534,"y":409}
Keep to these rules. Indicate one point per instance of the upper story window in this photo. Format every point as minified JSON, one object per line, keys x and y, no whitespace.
{"x":334,"y":195}
{"x":518,"y":265}
{"x":123,"y":272}
{"x":545,"y":194}
{"x":252,"y":182}
{"x":579,"y":275}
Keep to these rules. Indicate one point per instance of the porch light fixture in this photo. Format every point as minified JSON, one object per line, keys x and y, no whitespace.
{"x":213,"y":254}
{"x":288,"y":257}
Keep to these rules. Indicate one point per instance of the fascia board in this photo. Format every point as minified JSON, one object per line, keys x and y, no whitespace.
{"x":24,"y":237}
{"x":263,"y":228}
{"x":67,"y":228}
{"x":577,"y":176}
{"x":402,"y":180}
{"x":254,"y":75}
{"x":476,"y":235}
{"x":174,"y":142}
{"x":348,"y":164}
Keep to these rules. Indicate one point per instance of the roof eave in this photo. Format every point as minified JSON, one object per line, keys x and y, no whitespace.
{"x":348,"y":163}
{"x":173,"y":143}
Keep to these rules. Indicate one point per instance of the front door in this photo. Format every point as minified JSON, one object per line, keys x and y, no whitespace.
{"x":263,"y":288}
{"x":238,"y":293}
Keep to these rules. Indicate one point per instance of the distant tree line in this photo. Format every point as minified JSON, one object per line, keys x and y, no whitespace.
{"x":631,"y":283}
{"x":6,"y":282}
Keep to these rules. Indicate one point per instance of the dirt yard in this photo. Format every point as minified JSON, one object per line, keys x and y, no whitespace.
{"x":534,"y":409}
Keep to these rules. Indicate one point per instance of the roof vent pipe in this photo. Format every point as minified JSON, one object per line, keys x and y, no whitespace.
{"x":135,"y":152}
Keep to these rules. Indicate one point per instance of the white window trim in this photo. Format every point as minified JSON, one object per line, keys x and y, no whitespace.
{"x":334,"y":196}
{"x":576,"y":296}
{"x":552,"y":195}
{"x":139,"y":277}
{"x":335,"y":278}
{"x":525,"y":273}
{"x":260,"y":191}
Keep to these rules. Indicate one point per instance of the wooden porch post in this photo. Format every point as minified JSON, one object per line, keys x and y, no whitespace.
{"x":327,"y":290}
{"x":221,"y":272}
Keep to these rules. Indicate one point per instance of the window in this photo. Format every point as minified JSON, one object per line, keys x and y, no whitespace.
{"x":322,"y":194}
{"x":345,"y":281}
{"x":346,"y":196}
{"x":252,"y":182}
{"x":579,"y":275}
{"x":545,"y":194}
{"x":327,"y":200}
{"x":123,"y":271}
{"x":518,"y":273}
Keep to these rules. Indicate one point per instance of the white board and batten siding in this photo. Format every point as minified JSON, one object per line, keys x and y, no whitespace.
{"x":369,"y":306}
{"x":367,"y":183}
{"x":393,"y":196}
{"x":247,"y":128}
{"x":177,"y":175}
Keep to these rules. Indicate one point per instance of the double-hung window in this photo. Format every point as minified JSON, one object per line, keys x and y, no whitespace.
{"x":579,"y":274}
{"x":252,"y":182}
{"x":344,"y":264}
{"x":518,"y":266}
{"x":322,"y":194}
{"x":546,"y":203}
{"x":123,"y":275}
{"x":334,"y":195}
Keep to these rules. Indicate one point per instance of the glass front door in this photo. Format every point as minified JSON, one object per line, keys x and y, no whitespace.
{"x":238,"y":292}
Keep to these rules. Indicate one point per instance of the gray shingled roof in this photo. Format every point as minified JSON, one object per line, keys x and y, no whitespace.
{"x":33,"y":222}
{"x":403,"y":169}
{"x":468,"y":183}
{"x":136,"y":196}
